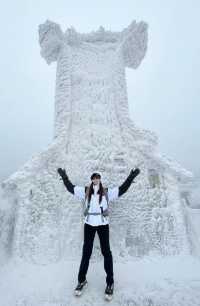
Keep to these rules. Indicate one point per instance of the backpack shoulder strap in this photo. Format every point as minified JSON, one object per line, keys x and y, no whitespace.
{"x":105,"y":191}
{"x":87,"y":188}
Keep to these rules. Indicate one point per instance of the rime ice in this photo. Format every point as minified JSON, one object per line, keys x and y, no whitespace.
{"x":93,"y":131}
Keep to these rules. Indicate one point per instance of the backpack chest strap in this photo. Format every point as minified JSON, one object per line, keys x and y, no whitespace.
{"x":103,"y":213}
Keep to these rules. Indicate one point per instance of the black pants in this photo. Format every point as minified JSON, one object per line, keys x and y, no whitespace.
{"x":89,"y":234}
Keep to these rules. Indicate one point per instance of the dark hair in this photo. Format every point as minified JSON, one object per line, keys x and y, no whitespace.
{"x":95,"y":175}
{"x":100,"y":192}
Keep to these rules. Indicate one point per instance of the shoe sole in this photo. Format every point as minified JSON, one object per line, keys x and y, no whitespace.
{"x":80,"y":292}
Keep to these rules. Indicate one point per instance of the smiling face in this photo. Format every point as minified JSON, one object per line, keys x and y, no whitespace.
{"x":96,"y":180}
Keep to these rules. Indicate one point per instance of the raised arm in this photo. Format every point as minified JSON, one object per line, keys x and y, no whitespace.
{"x":127,"y":183}
{"x":68,"y":184}
{"x":114,"y":193}
{"x":78,"y":191}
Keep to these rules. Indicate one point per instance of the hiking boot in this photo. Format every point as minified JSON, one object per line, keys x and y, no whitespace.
{"x":79,"y":288}
{"x":109,"y":292}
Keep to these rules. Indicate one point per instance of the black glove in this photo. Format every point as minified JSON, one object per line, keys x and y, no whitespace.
{"x":135,"y":172}
{"x":62,"y":173}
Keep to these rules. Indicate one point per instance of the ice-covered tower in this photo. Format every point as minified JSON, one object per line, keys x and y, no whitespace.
{"x":93,"y":131}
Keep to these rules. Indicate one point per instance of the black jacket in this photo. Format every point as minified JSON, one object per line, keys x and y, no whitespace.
{"x":122,"y":188}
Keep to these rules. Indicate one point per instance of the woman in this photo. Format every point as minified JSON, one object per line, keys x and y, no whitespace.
{"x":96,"y":220}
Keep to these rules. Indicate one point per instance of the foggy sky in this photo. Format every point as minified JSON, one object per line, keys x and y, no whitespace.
{"x":163,"y":92}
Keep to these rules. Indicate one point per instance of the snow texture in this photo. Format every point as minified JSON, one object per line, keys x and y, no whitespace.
{"x":42,"y":223}
{"x":93,"y":131}
{"x":149,"y":282}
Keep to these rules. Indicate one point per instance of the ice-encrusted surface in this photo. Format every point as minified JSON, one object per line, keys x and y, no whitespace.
{"x":93,"y":131}
{"x":152,"y":231}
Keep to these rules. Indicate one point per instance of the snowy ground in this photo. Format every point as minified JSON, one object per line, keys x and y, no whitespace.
{"x":148,"y":282}
{"x":167,"y":281}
